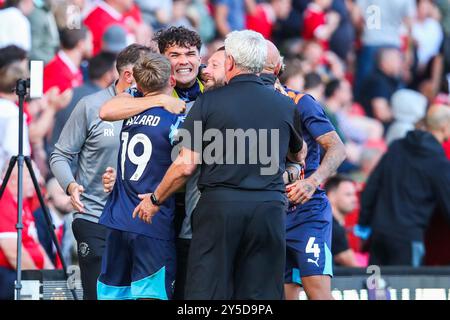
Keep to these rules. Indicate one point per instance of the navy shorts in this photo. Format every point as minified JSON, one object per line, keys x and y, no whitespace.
{"x":308,"y":241}
{"x":136,"y":266}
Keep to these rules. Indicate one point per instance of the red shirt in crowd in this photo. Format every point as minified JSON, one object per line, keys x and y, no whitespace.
{"x":262,"y":21}
{"x":61,"y":72}
{"x":103,"y":16}
{"x":314,"y":18}
{"x":8,"y":220}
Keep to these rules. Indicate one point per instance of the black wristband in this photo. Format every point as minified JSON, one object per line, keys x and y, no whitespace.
{"x":154,"y":200}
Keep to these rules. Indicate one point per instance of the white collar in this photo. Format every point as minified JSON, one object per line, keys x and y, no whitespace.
{"x":110,"y":10}
{"x":69,"y":63}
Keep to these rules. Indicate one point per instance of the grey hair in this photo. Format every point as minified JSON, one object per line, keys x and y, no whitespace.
{"x":248,"y":49}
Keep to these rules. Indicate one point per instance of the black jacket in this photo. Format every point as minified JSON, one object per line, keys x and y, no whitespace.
{"x":412,"y":178}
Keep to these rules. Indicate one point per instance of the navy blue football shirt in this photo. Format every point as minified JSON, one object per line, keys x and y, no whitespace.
{"x":144,"y":157}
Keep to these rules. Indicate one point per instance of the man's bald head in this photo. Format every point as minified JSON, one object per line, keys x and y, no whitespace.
{"x":438,"y":116}
{"x":274,"y":61}
{"x":438,"y":121}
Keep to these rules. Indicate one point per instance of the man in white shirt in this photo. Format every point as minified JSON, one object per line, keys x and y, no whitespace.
{"x":14,"y":25}
{"x":9,"y":114}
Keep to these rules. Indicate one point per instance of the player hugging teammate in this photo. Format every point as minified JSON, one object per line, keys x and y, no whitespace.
{"x":140,"y":259}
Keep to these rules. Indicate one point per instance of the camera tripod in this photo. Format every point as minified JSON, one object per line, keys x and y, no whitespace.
{"x":21,"y":91}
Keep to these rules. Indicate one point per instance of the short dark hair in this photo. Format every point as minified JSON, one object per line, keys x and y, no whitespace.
{"x":292,"y":68}
{"x":152,"y":72}
{"x":71,"y":37}
{"x":11,"y":54}
{"x":179,"y":36}
{"x":331,"y":87}
{"x":12,"y":3}
{"x":101,"y":64}
{"x":131,"y":55}
{"x":9,"y":74}
{"x":334,"y":182}
{"x":312,"y":80}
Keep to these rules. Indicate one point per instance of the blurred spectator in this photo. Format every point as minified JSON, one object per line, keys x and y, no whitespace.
{"x":33,"y":254}
{"x":380,"y":22}
{"x":408,"y":107}
{"x":107,"y":13}
{"x":58,"y":204}
{"x":63,"y":71}
{"x":341,"y":192}
{"x":44,"y":32}
{"x":14,"y":25}
{"x":114,"y":39}
{"x":430,"y":65}
{"x":411,"y":179}
{"x":342,"y":39}
{"x":39,"y":113}
{"x":325,"y":63}
{"x":424,"y":25}
{"x":9,"y":115}
{"x":273,"y":16}
{"x":179,"y":16}
{"x":314,"y":86}
{"x":355,"y":127}
{"x":229,"y":15}
{"x":333,"y":103}
{"x":261,"y":17}
{"x":200,"y":15}
{"x":292,"y":76}
{"x":370,"y":156}
{"x":102,"y":73}
{"x":69,"y":13}
{"x":319,"y":23}
{"x":378,"y":88}
{"x":288,"y":22}
{"x":355,"y":130}
{"x":156,"y":13}
{"x":11,"y":54}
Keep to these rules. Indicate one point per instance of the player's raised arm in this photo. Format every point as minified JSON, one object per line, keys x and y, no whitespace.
{"x":124,"y":106}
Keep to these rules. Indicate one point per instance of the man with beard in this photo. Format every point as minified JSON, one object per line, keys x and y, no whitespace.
{"x":213,"y":76}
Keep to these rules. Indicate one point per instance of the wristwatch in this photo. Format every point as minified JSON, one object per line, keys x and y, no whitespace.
{"x":154,"y":200}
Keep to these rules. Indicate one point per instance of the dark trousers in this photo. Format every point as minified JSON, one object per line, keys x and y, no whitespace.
{"x":7,"y":279}
{"x":237,"y":250}
{"x":392,"y":251}
{"x":91,"y":241}
{"x":182,"y":246}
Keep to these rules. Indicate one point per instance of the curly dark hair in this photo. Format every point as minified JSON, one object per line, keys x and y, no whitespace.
{"x":179,"y":36}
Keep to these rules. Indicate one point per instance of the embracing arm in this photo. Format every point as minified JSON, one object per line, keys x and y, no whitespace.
{"x":176,"y":177}
{"x":177,"y":174}
{"x":124,"y":106}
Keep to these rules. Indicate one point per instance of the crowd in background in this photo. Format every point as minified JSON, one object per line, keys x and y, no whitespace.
{"x":375,"y":66}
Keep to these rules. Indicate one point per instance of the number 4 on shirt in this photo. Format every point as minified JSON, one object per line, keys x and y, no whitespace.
{"x":312,"y":247}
